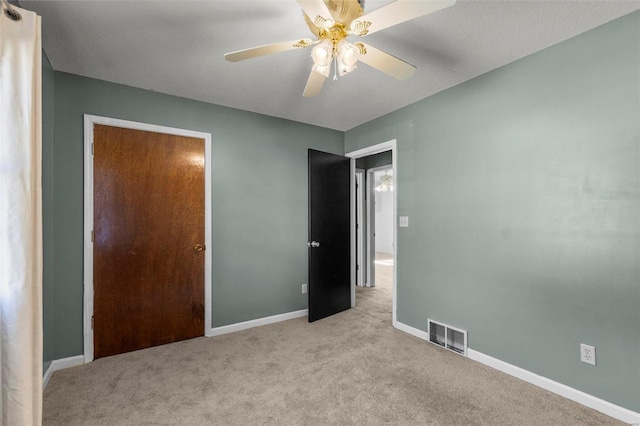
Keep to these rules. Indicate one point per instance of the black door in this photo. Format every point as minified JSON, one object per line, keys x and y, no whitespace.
{"x":329,"y":234}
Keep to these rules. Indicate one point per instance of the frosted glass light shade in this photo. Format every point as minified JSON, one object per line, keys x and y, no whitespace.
{"x":347,"y":57}
{"x":322,"y":54}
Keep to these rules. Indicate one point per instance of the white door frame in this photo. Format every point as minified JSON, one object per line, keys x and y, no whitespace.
{"x":89,"y":122}
{"x":359,"y":231}
{"x":376,"y":149}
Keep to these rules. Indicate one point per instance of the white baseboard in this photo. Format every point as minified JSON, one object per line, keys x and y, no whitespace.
{"x":565,"y":391}
{"x":576,"y":395}
{"x":411,"y":330}
{"x":46,"y":377}
{"x":226,"y":329}
{"x":60,"y":364}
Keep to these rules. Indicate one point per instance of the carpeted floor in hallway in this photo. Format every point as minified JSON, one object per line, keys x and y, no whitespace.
{"x":351,"y":368}
{"x":376,"y":301}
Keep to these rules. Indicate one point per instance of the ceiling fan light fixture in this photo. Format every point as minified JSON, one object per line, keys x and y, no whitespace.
{"x":324,"y":70}
{"x":331,"y":22}
{"x":346,"y":69}
{"x":385,"y":183}
{"x":347,"y":57}
{"x":322,"y":54}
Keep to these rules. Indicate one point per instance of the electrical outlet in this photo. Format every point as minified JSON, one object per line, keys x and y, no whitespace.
{"x":304,"y":289}
{"x":587,"y":354}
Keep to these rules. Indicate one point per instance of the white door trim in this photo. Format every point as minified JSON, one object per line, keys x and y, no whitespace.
{"x":359,"y":231}
{"x":371,"y":227}
{"x":376,"y":149}
{"x":89,"y":121}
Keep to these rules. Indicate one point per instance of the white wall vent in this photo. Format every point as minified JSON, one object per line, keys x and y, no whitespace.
{"x":448,"y":337}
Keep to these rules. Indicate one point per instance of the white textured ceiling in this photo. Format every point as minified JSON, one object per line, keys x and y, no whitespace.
{"x":177,"y":47}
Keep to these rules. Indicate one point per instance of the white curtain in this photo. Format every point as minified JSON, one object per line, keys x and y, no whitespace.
{"x":20,"y":219}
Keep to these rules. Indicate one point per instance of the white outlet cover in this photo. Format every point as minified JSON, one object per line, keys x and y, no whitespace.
{"x":587,"y":354}
{"x":304,"y":289}
{"x":404,"y":221}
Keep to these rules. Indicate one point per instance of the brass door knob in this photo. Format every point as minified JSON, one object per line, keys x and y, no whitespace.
{"x":198,"y":247}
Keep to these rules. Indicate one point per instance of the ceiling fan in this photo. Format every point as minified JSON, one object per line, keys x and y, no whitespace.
{"x":331,"y":22}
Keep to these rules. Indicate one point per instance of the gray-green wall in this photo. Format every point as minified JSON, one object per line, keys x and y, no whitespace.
{"x":47,"y":209}
{"x":259,"y":201}
{"x":523,"y":192}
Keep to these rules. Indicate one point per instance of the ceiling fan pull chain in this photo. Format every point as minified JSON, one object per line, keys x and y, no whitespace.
{"x":335,"y":67}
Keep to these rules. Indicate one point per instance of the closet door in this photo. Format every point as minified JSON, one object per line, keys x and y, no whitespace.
{"x":148,"y":239}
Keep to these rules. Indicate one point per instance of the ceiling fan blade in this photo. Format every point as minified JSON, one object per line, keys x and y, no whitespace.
{"x":345,"y":11}
{"x":317,"y":12}
{"x":314,"y":84}
{"x":396,"y":13}
{"x":382,"y":61}
{"x":268,"y":49}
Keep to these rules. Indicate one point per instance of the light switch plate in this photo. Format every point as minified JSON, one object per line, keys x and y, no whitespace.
{"x":404,"y":221}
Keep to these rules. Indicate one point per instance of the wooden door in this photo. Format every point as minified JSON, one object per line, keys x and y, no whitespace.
{"x":148,"y":275}
{"x":329,"y":234}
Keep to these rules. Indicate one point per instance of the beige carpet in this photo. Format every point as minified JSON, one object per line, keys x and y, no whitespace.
{"x":352,"y":368}
{"x":377,"y":301}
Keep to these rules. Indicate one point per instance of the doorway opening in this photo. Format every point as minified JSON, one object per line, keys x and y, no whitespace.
{"x":374,"y":253}
{"x":380,"y":214}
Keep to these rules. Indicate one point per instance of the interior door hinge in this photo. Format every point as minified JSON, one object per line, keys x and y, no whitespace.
{"x":92,"y":235}
{"x":91,"y":149}
{"x":92,"y":321}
